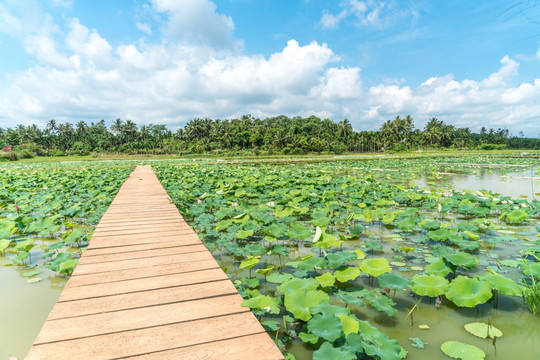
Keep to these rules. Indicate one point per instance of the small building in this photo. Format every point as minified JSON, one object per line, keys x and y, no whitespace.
{"x":7,"y":148}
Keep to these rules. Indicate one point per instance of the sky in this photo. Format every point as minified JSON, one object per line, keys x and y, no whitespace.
{"x":468,"y":63}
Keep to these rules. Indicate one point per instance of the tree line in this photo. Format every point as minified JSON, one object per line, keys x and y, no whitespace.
{"x":250,"y":135}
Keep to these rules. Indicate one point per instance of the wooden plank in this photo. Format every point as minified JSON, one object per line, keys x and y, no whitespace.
{"x":149,"y":340}
{"x":143,"y":272}
{"x":146,"y":286}
{"x":254,"y":346}
{"x":138,"y":318}
{"x":132,"y":255}
{"x":75,"y":308}
{"x":131,"y":286}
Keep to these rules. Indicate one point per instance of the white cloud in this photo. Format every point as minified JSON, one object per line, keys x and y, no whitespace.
{"x":370,"y":13}
{"x":80,"y":75}
{"x":493,"y":101}
{"x":144,"y":27}
{"x":197,"y":22}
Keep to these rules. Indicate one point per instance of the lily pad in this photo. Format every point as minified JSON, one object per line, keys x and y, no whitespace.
{"x":459,"y":350}
{"x":483,"y":330}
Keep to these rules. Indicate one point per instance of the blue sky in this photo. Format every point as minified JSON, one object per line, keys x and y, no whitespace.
{"x":468,"y":63}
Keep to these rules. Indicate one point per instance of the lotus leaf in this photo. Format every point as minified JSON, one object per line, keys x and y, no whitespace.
{"x":438,"y":267}
{"x":407,"y":224}
{"x":326,"y":279}
{"x":503,"y":284}
{"x":278,"y":278}
{"x":312,"y":263}
{"x":471,"y":235}
{"x":532,"y":269}
{"x":300,"y":232}
{"x":388,"y":218}
{"x":349,"y":273}
{"x":328,"y":352}
{"x":465,"y":260}
{"x":68,"y":266}
{"x":429,"y":285}
{"x":459,"y":350}
{"x":326,"y":308}
{"x":308,"y":338}
{"x":375,"y":266}
{"x":483,"y":330}
{"x":438,"y":235}
{"x":318,"y":234}
{"x":431,"y":225}
{"x":328,"y":241}
{"x":393,"y":281}
{"x":467,"y":292}
{"x":4,"y":244}
{"x":326,"y":326}
{"x":297,"y":284}
{"x":250,"y":262}
{"x":516,"y":216}
{"x":349,"y":324}
{"x":242,"y":234}
{"x":274,"y":230}
{"x":335,"y":260}
{"x":381,"y":302}
{"x":263,"y":302}
{"x":265,"y":271}
{"x":299,"y":301}
{"x":223,"y":224}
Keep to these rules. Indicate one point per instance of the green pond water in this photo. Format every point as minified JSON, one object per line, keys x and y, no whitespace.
{"x":24,"y":307}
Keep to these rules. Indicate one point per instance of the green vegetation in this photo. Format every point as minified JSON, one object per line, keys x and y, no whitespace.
{"x":314,"y":247}
{"x":249,"y":136}
{"x":49,"y":212}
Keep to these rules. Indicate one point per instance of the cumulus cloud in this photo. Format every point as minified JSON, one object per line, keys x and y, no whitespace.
{"x":492,"y":101}
{"x":80,"y":75}
{"x":197,"y":22}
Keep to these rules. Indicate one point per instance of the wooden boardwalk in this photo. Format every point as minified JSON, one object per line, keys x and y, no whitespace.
{"x":146,"y":287}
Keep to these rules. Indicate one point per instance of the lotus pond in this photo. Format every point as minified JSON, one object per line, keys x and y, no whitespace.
{"x":48,"y":212}
{"x":343,"y":259}
{"x":352,"y":259}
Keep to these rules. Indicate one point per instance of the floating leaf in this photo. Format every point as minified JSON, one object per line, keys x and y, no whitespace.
{"x":308,"y":338}
{"x":459,"y":350}
{"x":483,"y":330}
{"x":34,"y":280}
{"x":466,"y":292}
{"x":465,"y":260}
{"x":438,"y":235}
{"x":417,"y":343}
{"x":424,"y":327}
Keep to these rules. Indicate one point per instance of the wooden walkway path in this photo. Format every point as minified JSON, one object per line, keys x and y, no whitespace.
{"x":147,"y":288}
